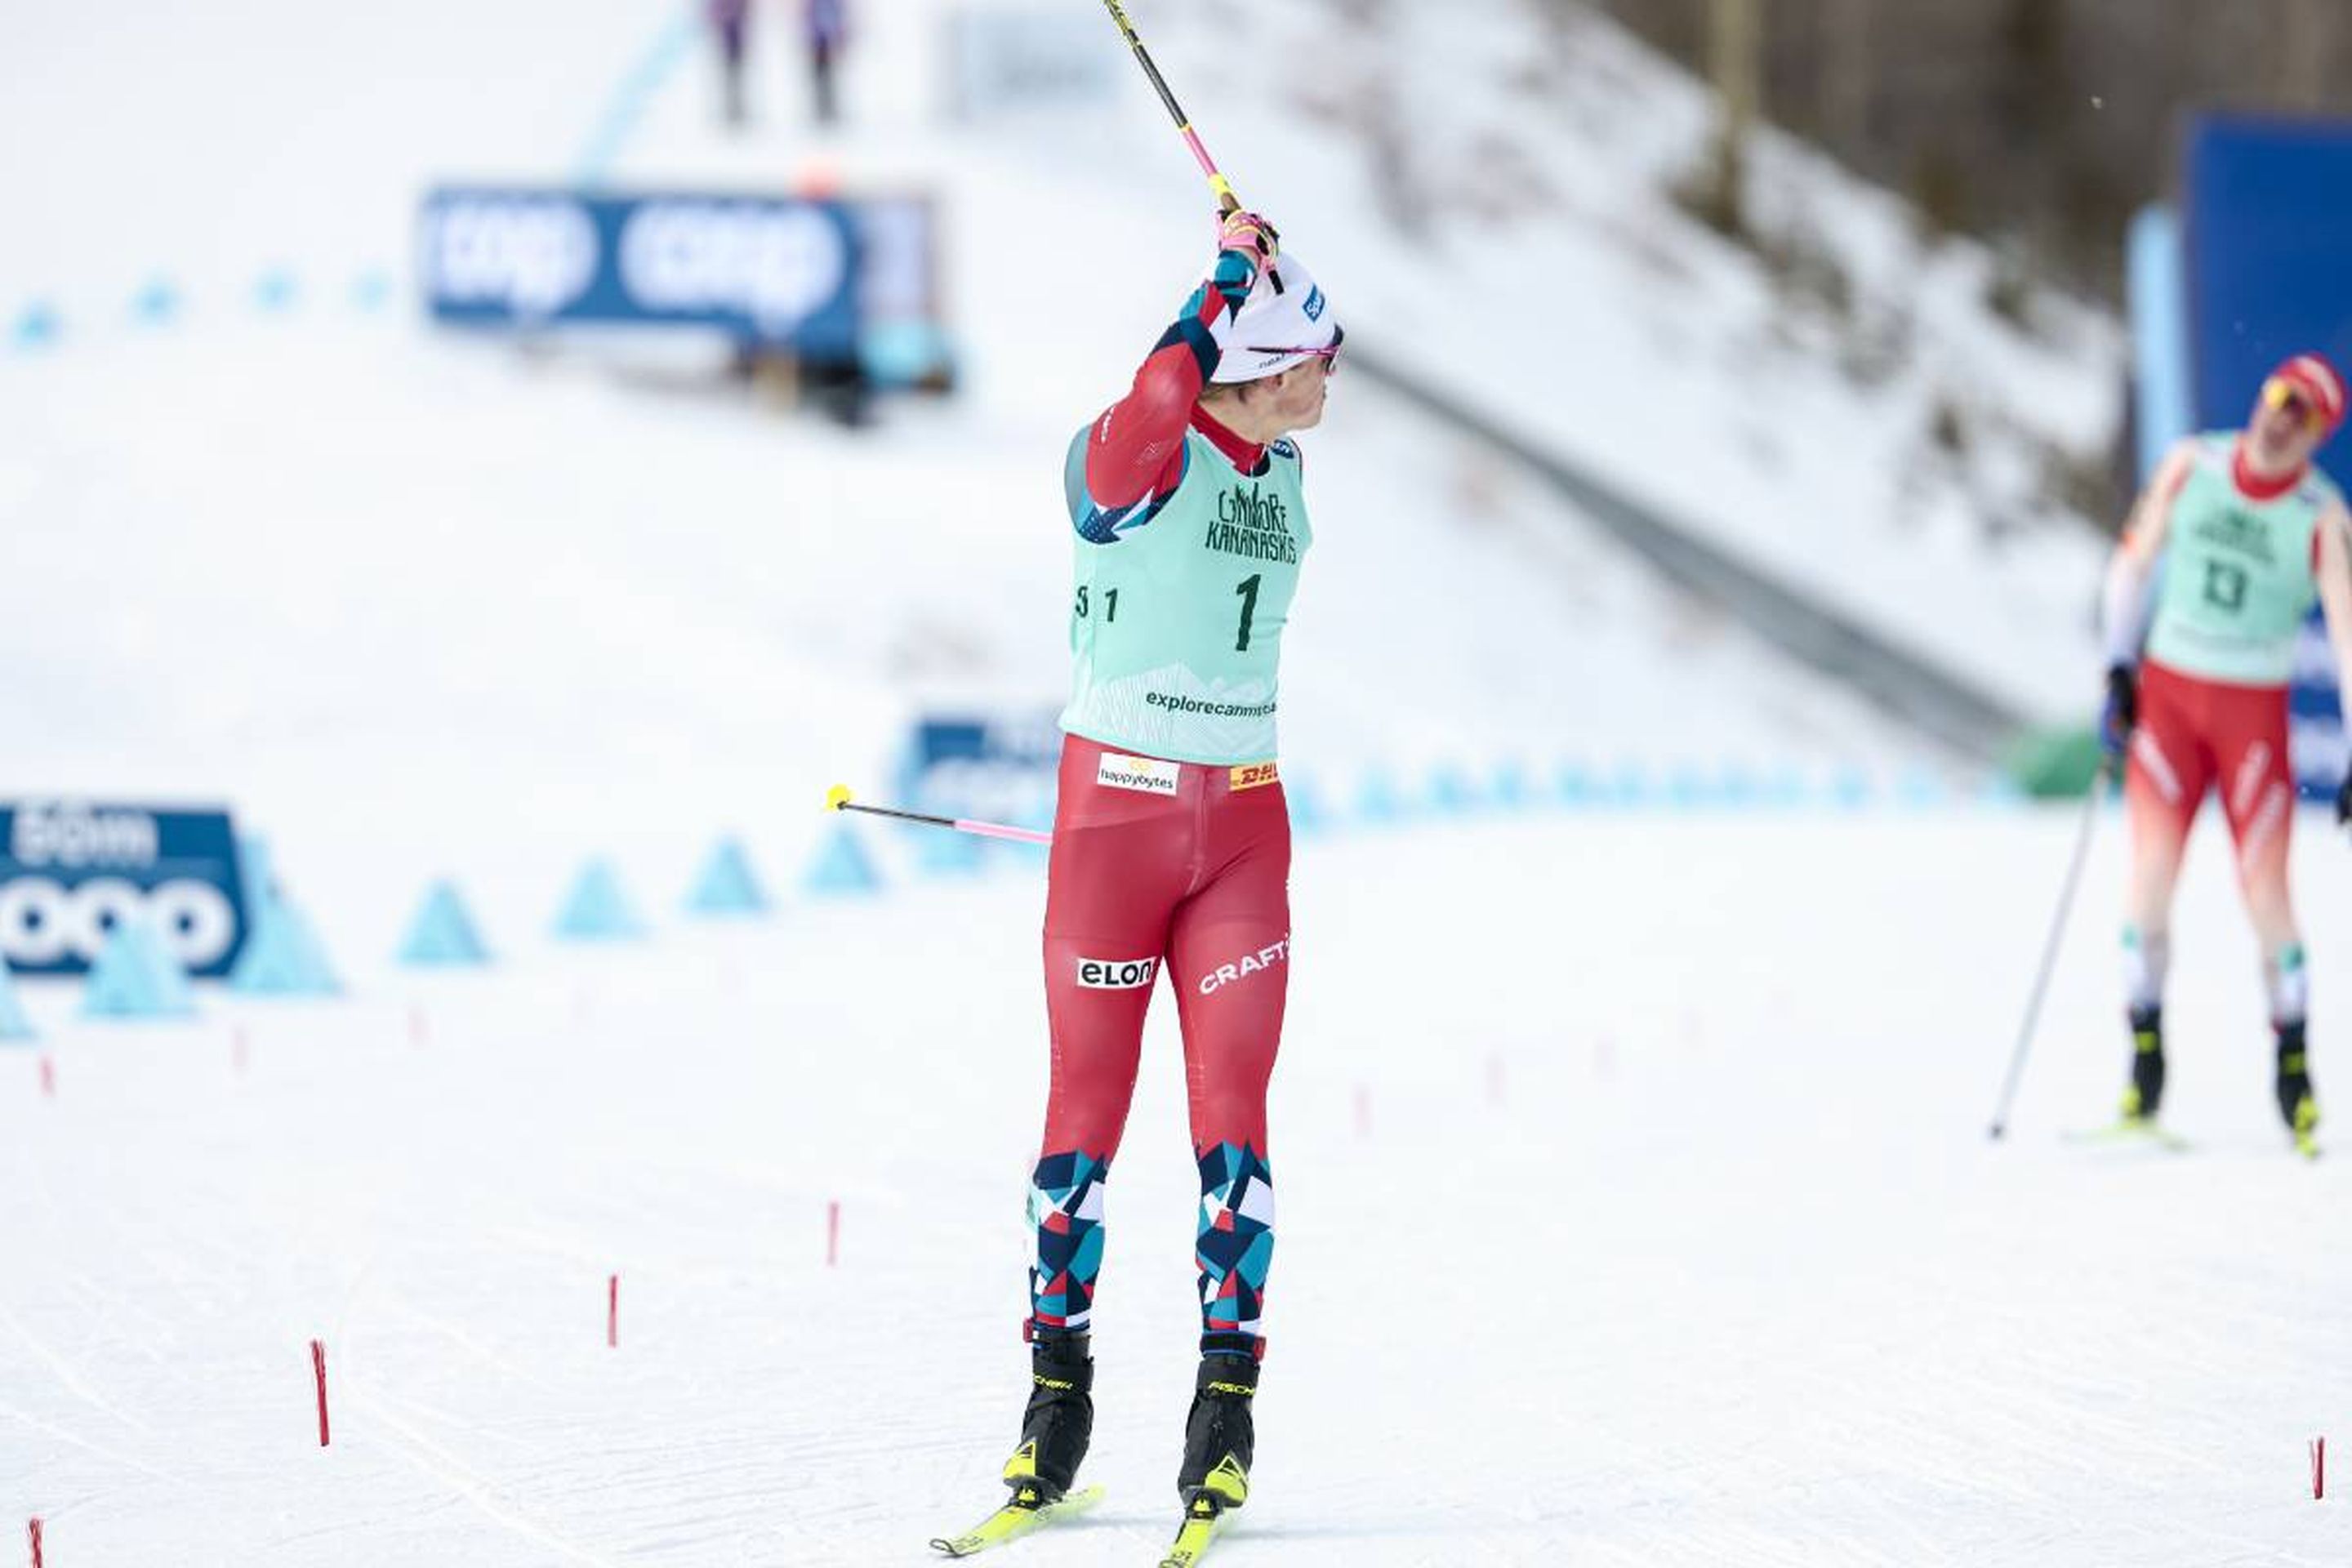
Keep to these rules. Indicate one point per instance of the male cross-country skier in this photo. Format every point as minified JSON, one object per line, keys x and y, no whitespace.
{"x":2250,"y":532}
{"x":1172,"y":836}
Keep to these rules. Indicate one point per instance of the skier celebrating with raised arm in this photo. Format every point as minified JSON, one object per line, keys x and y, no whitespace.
{"x":1172,"y":836}
{"x":2251,"y":533}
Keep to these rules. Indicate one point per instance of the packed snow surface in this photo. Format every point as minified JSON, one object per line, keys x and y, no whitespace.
{"x":1636,"y":1208}
{"x":1635,"y":1202}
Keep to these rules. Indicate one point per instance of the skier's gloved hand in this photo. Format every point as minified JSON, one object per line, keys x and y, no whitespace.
{"x":2122,"y":709}
{"x":1246,"y":245}
{"x":1250,"y":235}
{"x":2344,"y":801}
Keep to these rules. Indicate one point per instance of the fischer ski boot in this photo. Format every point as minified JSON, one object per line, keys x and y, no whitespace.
{"x":1060,"y":1420}
{"x":2144,"y":1093}
{"x":1219,"y":1438}
{"x":2297,"y":1102}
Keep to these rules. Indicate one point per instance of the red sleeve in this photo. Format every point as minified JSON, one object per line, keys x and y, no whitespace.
{"x":1136,"y":450}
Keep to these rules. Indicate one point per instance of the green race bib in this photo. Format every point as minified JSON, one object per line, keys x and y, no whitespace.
{"x":1176,"y":624}
{"x":2237,"y":578}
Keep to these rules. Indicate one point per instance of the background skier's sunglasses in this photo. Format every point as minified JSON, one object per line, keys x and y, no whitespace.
{"x":2280,"y":393}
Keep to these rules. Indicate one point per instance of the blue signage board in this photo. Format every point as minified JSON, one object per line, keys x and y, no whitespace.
{"x":2269,"y":225}
{"x":766,"y":270}
{"x":70,"y":869}
{"x":997,"y":768}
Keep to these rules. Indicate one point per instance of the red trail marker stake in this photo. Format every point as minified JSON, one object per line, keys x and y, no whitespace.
{"x":318,"y":1367}
{"x":2318,"y":1468}
{"x":36,"y":1533}
{"x":48,"y":1078}
{"x":613,"y":1314}
{"x":832,"y":1233}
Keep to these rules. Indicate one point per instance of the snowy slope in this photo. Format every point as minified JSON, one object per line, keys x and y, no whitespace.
{"x":386,"y":590}
{"x":1635,"y":1205}
{"x":1657,"y":1230}
{"x":1489,"y":181}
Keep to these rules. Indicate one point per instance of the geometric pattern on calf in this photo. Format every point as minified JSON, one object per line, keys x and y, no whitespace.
{"x":1065,"y":1207}
{"x":1235,"y":1246}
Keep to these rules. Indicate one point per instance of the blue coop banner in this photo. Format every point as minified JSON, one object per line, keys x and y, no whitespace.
{"x":70,"y":869}
{"x":766,"y":270}
{"x":997,"y":767}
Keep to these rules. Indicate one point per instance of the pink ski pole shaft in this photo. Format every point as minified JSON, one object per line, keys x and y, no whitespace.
{"x":838,"y":800}
{"x":1217,"y":182}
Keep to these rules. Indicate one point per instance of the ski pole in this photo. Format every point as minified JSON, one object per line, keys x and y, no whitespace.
{"x":1226,"y":200}
{"x":1224,"y":187}
{"x":838,"y":799}
{"x":2050,"y":948}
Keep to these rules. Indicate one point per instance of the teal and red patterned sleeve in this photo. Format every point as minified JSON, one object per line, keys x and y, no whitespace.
{"x":1135,"y":451}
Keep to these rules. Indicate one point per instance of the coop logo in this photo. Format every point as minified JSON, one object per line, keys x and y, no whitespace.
{"x":72,"y":870}
{"x":1314,"y":305}
{"x":777,"y":265}
{"x":533,"y":255}
{"x":1117,"y":975}
{"x":1251,"y":964}
{"x":43,"y":922}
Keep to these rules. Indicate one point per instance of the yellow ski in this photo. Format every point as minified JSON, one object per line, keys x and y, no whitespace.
{"x":1201,"y":1518}
{"x":1028,"y":1513}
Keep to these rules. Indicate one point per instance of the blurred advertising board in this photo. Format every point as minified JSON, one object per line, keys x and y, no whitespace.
{"x":765,"y":269}
{"x":2268,"y":226}
{"x":829,"y":279}
{"x":70,"y":869}
{"x":996,"y":767}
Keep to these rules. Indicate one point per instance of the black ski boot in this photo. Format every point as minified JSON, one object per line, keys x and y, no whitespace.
{"x":1220,"y":1439}
{"x":2144,"y":1093}
{"x":2297,"y":1102}
{"x":1060,"y":1421}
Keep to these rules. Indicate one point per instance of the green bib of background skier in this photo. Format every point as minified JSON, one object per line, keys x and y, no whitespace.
{"x":2238,"y":581}
{"x":1176,"y":626}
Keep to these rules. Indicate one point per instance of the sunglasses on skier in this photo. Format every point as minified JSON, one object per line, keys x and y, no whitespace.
{"x":2282,"y":394}
{"x":1328,"y":353}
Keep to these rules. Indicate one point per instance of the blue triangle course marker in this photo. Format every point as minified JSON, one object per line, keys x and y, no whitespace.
{"x":1450,"y":793}
{"x":282,"y":955}
{"x":38,"y":327}
{"x":1376,"y":799}
{"x":1309,"y":817}
{"x":1507,"y":786}
{"x":137,"y":976}
{"x":842,"y":868}
{"x":156,"y":305}
{"x":443,"y":932}
{"x":14,"y":1028}
{"x":598,"y":908}
{"x":949,"y":854}
{"x":726,"y":884}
